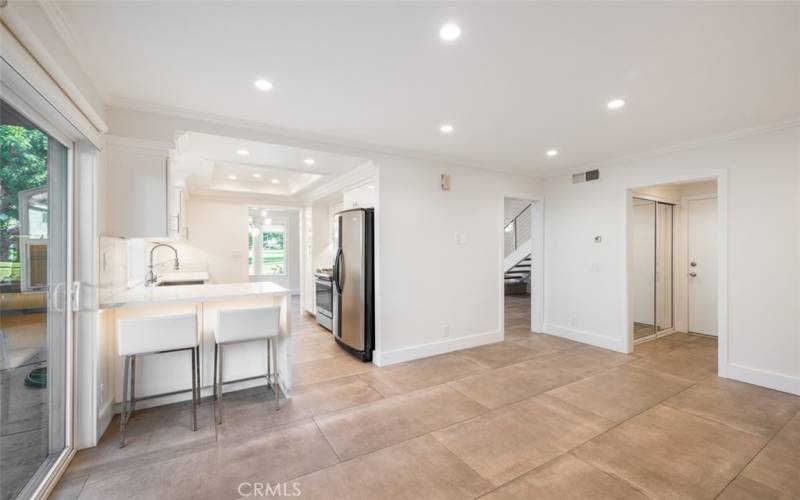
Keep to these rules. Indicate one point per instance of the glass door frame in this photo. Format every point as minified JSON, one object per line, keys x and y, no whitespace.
{"x":20,"y":95}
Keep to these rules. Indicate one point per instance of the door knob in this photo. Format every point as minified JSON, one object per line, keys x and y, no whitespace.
{"x":693,"y":275}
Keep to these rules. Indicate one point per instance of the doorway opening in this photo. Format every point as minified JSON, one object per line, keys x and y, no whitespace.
{"x":521,"y":295}
{"x":673,"y":240}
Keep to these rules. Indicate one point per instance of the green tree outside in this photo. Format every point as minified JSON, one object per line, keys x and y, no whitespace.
{"x":23,"y":166}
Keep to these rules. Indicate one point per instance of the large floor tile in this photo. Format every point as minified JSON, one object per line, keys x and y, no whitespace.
{"x":681,"y":363}
{"x":149,"y":431}
{"x":622,"y":392}
{"x":498,"y":354}
{"x":586,"y":360}
{"x":746,"y":489}
{"x":512,"y":440}
{"x":376,"y":425}
{"x":513,"y":383}
{"x":778,"y":465}
{"x":216,"y":471}
{"x":244,"y":415}
{"x":322,"y":370}
{"x":414,"y":375}
{"x":565,"y":478}
{"x":69,"y":488}
{"x":672,"y":342}
{"x":315,"y":347}
{"x":667,"y":453}
{"x":743,"y":406}
{"x":542,"y":344}
{"x":272,"y":457}
{"x":420,"y":468}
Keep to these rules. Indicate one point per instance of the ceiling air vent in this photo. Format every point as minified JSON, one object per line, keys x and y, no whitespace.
{"x":591,"y":175}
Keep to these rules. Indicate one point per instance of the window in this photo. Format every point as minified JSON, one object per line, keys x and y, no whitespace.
{"x":266,"y":249}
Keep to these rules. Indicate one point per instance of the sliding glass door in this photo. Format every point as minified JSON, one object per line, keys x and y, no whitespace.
{"x":652,"y":234}
{"x":34,"y":313}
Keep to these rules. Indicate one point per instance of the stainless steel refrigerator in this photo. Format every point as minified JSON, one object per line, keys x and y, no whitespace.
{"x":353,"y":282}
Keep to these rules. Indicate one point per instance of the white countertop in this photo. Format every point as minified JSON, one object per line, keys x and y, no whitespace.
{"x":143,"y":296}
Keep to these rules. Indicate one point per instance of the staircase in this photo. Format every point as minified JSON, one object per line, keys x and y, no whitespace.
{"x":517,"y":263}
{"x":519,"y":272}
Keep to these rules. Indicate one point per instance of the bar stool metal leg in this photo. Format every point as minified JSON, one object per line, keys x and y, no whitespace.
{"x":199,"y":383}
{"x":221,"y":384}
{"x":269,"y":364}
{"x":133,"y":386}
{"x":214,"y":387}
{"x":194,"y":388}
{"x":122,"y":416}
{"x":276,"y":388}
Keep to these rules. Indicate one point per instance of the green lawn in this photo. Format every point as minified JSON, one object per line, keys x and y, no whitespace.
{"x":274,"y":261}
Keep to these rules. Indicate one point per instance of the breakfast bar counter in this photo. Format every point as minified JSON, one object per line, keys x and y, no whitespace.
{"x":168,"y":374}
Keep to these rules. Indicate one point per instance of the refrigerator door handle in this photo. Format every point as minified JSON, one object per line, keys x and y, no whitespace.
{"x":337,"y":271}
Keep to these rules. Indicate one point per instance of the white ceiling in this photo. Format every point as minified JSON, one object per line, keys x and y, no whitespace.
{"x":523,"y":77}
{"x":211,"y":163}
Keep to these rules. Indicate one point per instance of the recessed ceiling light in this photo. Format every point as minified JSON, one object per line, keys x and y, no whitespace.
{"x":263,"y":85}
{"x":552,"y":152}
{"x":450,"y":32}
{"x":242,"y":152}
{"x":257,"y":176}
{"x":275,"y":181}
{"x":232,"y":177}
{"x":446,"y":128}
{"x":309,"y":161}
{"x":615,"y":103}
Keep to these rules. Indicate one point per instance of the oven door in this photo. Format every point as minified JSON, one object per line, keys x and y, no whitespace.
{"x":324,"y":291}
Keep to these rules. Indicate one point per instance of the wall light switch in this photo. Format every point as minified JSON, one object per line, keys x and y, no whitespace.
{"x":461,"y":239}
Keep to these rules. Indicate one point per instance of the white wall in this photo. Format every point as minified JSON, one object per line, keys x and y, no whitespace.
{"x":427,"y":280}
{"x":586,"y":287}
{"x":217,"y":237}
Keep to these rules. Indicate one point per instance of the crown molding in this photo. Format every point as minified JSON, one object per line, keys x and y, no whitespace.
{"x":261,"y":200}
{"x":674,"y":148}
{"x":348,"y":180}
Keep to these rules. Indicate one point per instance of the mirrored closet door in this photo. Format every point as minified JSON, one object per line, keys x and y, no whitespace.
{"x":652,"y":232}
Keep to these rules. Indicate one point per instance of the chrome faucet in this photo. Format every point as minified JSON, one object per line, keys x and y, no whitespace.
{"x":151,"y":275}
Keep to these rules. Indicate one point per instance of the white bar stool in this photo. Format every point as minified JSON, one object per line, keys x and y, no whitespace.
{"x":246,"y":325}
{"x":154,"y":335}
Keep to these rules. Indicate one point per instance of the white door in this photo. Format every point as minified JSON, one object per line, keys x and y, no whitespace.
{"x":702,"y":269}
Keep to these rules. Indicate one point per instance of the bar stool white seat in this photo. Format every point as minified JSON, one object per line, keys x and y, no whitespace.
{"x":247,"y":325}
{"x":155,"y":335}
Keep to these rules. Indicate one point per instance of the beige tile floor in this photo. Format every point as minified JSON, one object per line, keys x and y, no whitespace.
{"x":533,"y":417}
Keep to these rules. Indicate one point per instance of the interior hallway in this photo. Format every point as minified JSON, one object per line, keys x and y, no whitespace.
{"x":534,"y":416}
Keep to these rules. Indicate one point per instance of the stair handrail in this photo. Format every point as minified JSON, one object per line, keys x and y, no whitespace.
{"x":513,"y":223}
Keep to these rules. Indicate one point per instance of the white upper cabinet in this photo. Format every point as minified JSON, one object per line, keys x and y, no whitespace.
{"x":360,"y":197}
{"x":141,"y":199}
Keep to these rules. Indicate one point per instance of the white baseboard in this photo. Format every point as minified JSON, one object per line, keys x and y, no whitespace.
{"x":756,"y":376}
{"x":386,"y":358}
{"x":619,"y":345}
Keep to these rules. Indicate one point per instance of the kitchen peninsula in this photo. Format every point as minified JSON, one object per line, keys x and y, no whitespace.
{"x":169,"y":373}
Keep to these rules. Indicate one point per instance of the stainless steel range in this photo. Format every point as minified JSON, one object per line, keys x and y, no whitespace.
{"x":323,"y":285}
